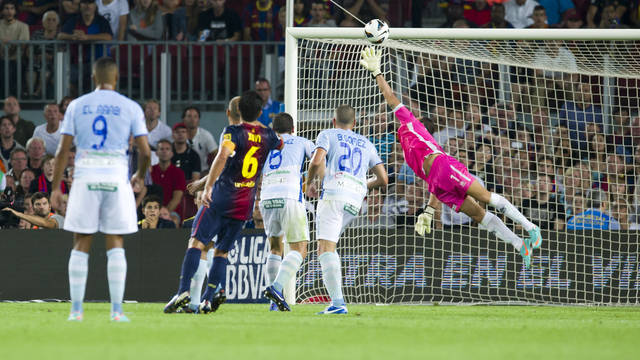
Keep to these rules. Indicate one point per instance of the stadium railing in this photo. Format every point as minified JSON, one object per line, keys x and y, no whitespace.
{"x":189,"y":72}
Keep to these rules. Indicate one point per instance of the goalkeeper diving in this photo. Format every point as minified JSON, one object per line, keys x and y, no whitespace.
{"x":449,"y":180}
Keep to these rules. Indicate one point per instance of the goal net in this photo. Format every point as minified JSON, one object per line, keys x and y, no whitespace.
{"x":551,"y":124}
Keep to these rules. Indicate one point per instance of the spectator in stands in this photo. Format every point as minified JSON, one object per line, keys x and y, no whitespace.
{"x":579,"y":112}
{"x":115,"y":11}
{"x":453,"y":128}
{"x":168,"y":176}
{"x":555,"y":9}
{"x":64,"y":103}
{"x":42,"y":183}
{"x":68,"y":8}
{"x":170,"y":216}
{"x":157,"y":130}
{"x":219,"y":23}
{"x":597,"y":157}
{"x":300,"y":13}
{"x":42,"y":218}
{"x":620,"y":211}
{"x":596,"y":216}
{"x":151,"y":211}
{"x":379,"y":135}
{"x":544,"y":207}
{"x":497,"y":18}
{"x":365,"y":10}
{"x":145,"y":21}
{"x":475,"y":127}
{"x":18,"y":162}
{"x":320,"y":15}
{"x":49,"y":32}
{"x":7,"y":142}
{"x":36,"y":152}
{"x":199,"y":139}
{"x":610,"y":13}
{"x":455,"y":12}
{"x":539,"y":18}
{"x":31,"y":11}
{"x":24,"y":184}
{"x":520,"y":12}
{"x":175,"y":19}
{"x":191,"y":14}
{"x":482,"y":157}
{"x":85,"y":27}
{"x":260,"y":19}
{"x":24,"y":128}
{"x":478,"y":12}
{"x":185,"y":158}
{"x":11,"y":29}
{"x":270,"y":107}
{"x":573,"y":20}
{"x":621,"y":132}
{"x":50,"y":130}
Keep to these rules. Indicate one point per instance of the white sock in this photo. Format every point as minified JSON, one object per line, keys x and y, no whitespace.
{"x":332,"y":276}
{"x":504,"y":206}
{"x":78,"y":269}
{"x":196,"y":283}
{"x":209,"y":259}
{"x":290,"y":265}
{"x":273,"y":264}
{"x":496,"y":226}
{"x":116,"y":274}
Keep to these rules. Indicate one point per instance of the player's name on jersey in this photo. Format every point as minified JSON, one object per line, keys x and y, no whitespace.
{"x":101,"y":110}
{"x":254,"y":138}
{"x":247,"y":184}
{"x":352,"y":140}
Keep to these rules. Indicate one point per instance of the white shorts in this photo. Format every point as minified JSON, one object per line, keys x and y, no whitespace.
{"x":286,"y":217}
{"x":332,"y":217}
{"x":105,"y":206}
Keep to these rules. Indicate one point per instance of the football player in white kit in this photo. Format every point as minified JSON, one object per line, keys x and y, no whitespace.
{"x":348,"y":157}
{"x":101,"y":199}
{"x":282,"y":208}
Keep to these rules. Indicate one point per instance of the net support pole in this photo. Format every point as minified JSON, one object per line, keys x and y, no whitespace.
{"x":291,"y":106}
{"x":59,"y":76}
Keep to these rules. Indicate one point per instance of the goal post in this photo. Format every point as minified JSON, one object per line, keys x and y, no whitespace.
{"x":545,"y":117}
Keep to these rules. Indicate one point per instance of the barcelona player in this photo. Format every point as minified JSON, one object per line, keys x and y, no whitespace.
{"x":228,"y":200}
{"x":449,"y":180}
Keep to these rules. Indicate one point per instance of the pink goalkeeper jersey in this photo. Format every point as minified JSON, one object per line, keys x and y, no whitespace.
{"x":417,"y":143}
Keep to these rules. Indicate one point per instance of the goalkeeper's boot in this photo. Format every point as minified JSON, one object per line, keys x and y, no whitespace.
{"x":208,"y":306}
{"x":535,"y":238}
{"x":276,"y":296}
{"x":334,"y":310}
{"x":525,"y":252}
{"x":119,"y":317}
{"x":176,"y":302}
{"x":75,"y":316}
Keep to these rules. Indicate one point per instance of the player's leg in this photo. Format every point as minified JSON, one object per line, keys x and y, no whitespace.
{"x":78,"y":270}
{"x":195,"y":291}
{"x":116,"y":275}
{"x":503,"y":205}
{"x":274,"y":260}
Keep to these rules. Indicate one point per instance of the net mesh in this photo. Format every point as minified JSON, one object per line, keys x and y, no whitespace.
{"x":550,"y":125}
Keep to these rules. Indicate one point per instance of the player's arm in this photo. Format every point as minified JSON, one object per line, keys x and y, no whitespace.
{"x":225,"y":151}
{"x":316,"y":170}
{"x":144,"y":160}
{"x":62,"y":157}
{"x":371,"y":61}
{"x":381,"y":178}
{"x":197,"y":185}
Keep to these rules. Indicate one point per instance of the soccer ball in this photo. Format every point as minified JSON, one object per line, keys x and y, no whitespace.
{"x":376,"y":31}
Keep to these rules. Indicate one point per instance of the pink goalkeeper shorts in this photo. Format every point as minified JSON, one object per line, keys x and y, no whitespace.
{"x":449,"y":181}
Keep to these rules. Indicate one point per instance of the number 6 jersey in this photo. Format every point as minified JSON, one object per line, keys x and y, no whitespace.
{"x":101,"y":123}
{"x":234,"y":192}
{"x":349,"y":158}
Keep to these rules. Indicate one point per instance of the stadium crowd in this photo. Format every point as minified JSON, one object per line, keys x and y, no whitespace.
{"x":558,"y":161}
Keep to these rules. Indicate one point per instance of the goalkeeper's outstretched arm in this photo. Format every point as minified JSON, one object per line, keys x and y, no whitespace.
{"x":371,"y":61}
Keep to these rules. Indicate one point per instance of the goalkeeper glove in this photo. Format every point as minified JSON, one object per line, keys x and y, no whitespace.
{"x":371,"y":60}
{"x":423,"y":225}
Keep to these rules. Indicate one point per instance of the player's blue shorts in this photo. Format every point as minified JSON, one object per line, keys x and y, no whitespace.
{"x":208,"y":223}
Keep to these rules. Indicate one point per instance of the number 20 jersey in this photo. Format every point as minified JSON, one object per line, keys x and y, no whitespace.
{"x":281,"y":176}
{"x":234,"y":192}
{"x":349,"y":158}
{"x":101,"y":123}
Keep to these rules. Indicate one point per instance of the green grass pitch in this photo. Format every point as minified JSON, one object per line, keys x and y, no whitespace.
{"x":40,"y":331}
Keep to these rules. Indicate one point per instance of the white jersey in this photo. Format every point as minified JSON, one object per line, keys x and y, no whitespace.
{"x":101,"y":123}
{"x":281,"y":174}
{"x":349,"y":158}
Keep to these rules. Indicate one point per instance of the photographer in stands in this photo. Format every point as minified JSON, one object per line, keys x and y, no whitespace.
{"x":43,"y":218}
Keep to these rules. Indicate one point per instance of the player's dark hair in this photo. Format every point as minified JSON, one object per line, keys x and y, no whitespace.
{"x":250,"y":106}
{"x":283,"y":123}
{"x":184,"y":112}
{"x":10,"y":2}
{"x":345,"y":114}
{"x":151,"y":198}
{"x":37,"y":196}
